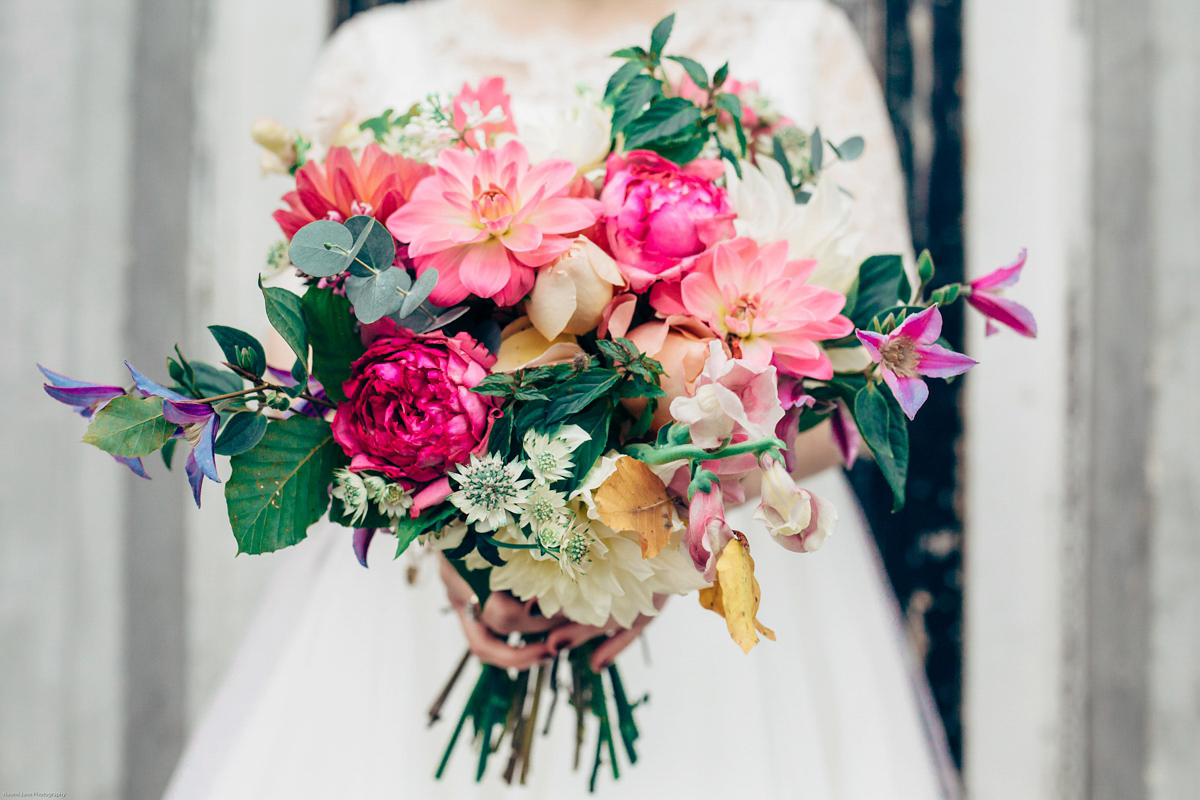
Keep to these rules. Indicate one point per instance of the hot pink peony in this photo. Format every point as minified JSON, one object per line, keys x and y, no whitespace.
{"x":376,"y":185}
{"x":486,"y":220}
{"x":757,"y":301}
{"x":658,"y":215}
{"x":411,"y":413}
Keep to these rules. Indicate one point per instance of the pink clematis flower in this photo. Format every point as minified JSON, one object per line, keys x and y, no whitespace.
{"x":985,"y":296}
{"x":909,"y":352}
{"x":487,"y":220}
{"x":757,"y":300}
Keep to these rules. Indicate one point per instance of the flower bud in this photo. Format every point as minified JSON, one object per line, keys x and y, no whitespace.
{"x":707,"y":532}
{"x":798,"y":519}
{"x":570,"y":295}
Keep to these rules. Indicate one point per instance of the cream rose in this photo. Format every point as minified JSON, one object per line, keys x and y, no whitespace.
{"x":571,"y":293}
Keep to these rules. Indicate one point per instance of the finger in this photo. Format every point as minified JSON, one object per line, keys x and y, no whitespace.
{"x":458,"y":591}
{"x":505,"y":614}
{"x":612,"y":647}
{"x":571,"y":635}
{"x":497,"y":652}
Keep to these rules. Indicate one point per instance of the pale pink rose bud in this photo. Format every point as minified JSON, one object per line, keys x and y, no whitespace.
{"x":570,"y":294}
{"x":707,"y":532}
{"x":797,"y":519}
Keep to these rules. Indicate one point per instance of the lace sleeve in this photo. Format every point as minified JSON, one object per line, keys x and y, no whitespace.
{"x":849,"y":102}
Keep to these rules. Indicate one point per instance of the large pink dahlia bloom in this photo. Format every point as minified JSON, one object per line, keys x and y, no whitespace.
{"x":487,"y":220}
{"x":758,"y":301}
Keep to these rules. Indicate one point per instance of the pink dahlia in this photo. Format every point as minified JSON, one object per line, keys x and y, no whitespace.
{"x":482,"y":114}
{"x":376,"y":184}
{"x":487,"y":220}
{"x":410,"y":412}
{"x":758,"y":301}
{"x":659,"y":215}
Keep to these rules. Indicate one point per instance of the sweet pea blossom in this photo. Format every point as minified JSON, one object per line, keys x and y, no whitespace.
{"x":909,"y":352}
{"x":984,"y":295}
{"x":707,"y":532}
{"x":796,"y":518}
{"x":487,"y":220}
{"x":759,"y":301}
{"x":734,"y":399}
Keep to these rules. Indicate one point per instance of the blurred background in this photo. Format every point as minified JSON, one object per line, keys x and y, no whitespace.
{"x":1047,"y":564}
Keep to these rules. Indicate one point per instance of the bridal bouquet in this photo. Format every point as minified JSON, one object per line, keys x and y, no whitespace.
{"x":554,"y":349}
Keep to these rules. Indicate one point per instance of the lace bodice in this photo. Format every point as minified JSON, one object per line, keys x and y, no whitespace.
{"x":803,"y":53}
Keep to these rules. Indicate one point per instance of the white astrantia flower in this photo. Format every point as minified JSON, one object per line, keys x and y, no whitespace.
{"x":392,"y":498}
{"x":550,"y":455}
{"x":446,"y":538}
{"x":543,"y":509}
{"x":349,"y":488}
{"x":490,"y":491}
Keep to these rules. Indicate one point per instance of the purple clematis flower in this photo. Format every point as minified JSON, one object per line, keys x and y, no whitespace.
{"x":985,"y":296}
{"x":909,"y":352}
{"x":87,"y":398}
{"x":197,"y":423}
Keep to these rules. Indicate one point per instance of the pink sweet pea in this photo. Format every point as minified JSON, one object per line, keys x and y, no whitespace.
{"x":796,"y":518}
{"x":909,"y":352}
{"x":984,"y":295}
{"x":757,"y":300}
{"x":487,"y":220}
{"x":707,"y":531}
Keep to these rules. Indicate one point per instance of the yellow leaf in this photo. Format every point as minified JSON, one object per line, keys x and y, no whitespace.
{"x":634,"y":499}
{"x":735,"y":596}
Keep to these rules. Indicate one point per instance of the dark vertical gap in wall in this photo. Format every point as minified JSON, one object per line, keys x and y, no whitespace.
{"x":921,"y":545}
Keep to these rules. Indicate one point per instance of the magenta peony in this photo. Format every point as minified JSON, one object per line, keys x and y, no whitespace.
{"x":411,"y":413}
{"x":485,"y":221}
{"x":659,"y":215}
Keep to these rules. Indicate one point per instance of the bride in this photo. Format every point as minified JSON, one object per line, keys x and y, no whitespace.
{"x":329,"y":695}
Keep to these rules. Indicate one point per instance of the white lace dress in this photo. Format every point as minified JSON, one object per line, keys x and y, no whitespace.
{"x":328,"y":696}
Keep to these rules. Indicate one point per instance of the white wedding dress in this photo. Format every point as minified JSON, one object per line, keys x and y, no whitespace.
{"x":328,"y":697}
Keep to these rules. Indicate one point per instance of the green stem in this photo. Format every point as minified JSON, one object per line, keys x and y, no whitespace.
{"x":499,"y":543}
{"x":662,"y":455}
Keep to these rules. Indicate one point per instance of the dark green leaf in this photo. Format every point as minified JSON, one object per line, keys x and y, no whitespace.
{"x":212,"y":381}
{"x":168,"y":451}
{"x":130,"y":427}
{"x":378,"y":249}
{"x":880,"y":286}
{"x":694,"y":69}
{"x":408,"y":529}
{"x":620,"y":78}
{"x":286,"y":315}
{"x":885,"y":430}
{"x":632,"y":99}
{"x":662,"y":120}
{"x":731,"y":104}
{"x":281,"y":486}
{"x":240,"y":433}
{"x":374,"y":518}
{"x":319,"y":248}
{"x":577,"y":393}
{"x":500,"y":438}
{"x":818,"y":151}
{"x":721,"y":74}
{"x":595,"y":422}
{"x":947,"y":294}
{"x":682,"y":152}
{"x":419,"y":292}
{"x":660,"y":35}
{"x":335,"y":343}
{"x":375,"y":296}
{"x":629,"y":52}
{"x":780,"y":155}
{"x":925,"y":267}
{"x":240,"y":348}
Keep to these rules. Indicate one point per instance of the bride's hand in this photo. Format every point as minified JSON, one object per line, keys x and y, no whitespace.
{"x":487,"y":629}
{"x":574,"y":634}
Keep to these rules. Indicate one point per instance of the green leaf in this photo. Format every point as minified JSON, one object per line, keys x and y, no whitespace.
{"x":682,"y":152}
{"x":885,"y":430}
{"x":694,"y":69}
{"x":662,"y":120}
{"x":850,"y":149}
{"x":374,"y":518}
{"x":281,"y":486}
{"x":721,"y":74}
{"x":946,"y":295}
{"x":632,"y":99}
{"x":818,"y":151}
{"x":240,"y":433}
{"x":419,"y":292}
{"x":578,"y":393}
{"x":408,"y":529}
{"x":660,"y":35}
{"x":731,"y":104}
{"x":378,"y":126}
{"x":168,"y":452}
{"x":130,"y":426}
{"x":240,"y":348}
{"x":881,"y":285}
{"x":319,"y":248}
{"x":286,"y":315}
{"x":595,"y":422}
{"x":375,"y":296}
{"x":378,"y":249}
{"x":211,"y":381}
{"x":620,"y":78}
{"x":628,"y":52}
{"x":924,"y":267}
{"x":780,"y":155}
{"x":335,"y":343}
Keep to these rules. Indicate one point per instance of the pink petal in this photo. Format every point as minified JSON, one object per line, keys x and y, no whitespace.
{"x":911,"y":393}
{"x":522,"y":237}
{"x":551,"y":248}
{"x":449,"y":290}
{"x":701,"y":296}
{"x":1005,"y":276}
{"x":1008,"y":312}
{"x":564,"y":214}
{"x":555,"y":175}
{"x":940,"y":362}
{"x":923,"y":328}
{"x":845,"y":434}
{"x":873,"y":342}
{"x":485,"y":268}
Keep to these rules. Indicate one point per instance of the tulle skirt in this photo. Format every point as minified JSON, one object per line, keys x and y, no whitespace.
{"x":328,"y":697}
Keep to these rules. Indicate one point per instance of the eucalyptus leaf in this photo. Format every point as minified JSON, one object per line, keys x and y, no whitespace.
{"x":319,"y":248}
{"x":419,"y":292}
{"x":818,"y":150}
{"x":168,"y":452}
{"x":780,"y":156}
{"x":240,"y":433}
{"x":130,"y":427}
{"x":375,"y":296}
{"x":281,"y":487}
{"x":851,"y":149}
{"x":378,"y":249}
{"x":694,"y":69}
{"x":240,"y":348}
